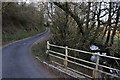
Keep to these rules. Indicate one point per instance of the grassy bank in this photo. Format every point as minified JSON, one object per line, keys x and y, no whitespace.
{"x":20,"y":34}
{"x":39,"y":49}
{"x":20,"y":21}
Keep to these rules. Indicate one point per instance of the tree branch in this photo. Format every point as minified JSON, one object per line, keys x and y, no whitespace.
{"x":75,"y":17}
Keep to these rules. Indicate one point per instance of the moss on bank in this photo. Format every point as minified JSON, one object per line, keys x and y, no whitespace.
{"x":20,"y":34}
{"x":39,"y":49}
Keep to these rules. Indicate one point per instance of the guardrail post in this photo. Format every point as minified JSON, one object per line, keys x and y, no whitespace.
{"x":48,"y":48}
{"x":66,"y":56}
{"x":95,"y":72}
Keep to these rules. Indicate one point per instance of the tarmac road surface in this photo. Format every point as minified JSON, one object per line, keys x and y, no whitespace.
{"x":17,"y":61}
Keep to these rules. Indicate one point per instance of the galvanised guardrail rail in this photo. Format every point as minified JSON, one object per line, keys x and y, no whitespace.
{"x":96,"y":71}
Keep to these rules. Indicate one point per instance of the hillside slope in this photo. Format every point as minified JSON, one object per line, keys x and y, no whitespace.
{"x":20,"y":20}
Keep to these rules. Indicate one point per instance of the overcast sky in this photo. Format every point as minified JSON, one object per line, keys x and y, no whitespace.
{"x":58,"y":0}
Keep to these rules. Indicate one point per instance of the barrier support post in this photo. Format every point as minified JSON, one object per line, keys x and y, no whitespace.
{"x":95,"y":72}
{"x":66,"y":56}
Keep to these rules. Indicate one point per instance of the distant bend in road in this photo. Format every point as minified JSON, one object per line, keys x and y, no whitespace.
{"x":17,"y":61}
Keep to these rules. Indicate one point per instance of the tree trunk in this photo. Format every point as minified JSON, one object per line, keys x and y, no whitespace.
{"x":87,"y":17}
{"x":109,"y":24}
{"x":98,"y":26}
{"x":75,"y":17}
{"x":115,"y":28}
{"x":105,"y":31}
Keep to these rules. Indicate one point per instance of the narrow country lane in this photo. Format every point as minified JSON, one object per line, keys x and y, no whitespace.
{"x":17,"y":61}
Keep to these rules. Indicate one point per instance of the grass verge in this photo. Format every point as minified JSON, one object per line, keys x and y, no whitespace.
{"x":39,"y":49}
{"x":20,"y":34}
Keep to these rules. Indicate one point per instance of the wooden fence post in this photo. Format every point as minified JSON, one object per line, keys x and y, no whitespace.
{"x":95,"y":72}
{"x":66,"y":56}
{"x":48,"y":48}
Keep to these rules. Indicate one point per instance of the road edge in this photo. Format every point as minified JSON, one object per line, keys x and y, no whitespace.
{"x":3,"y":46}
{"x":39,"y":62}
